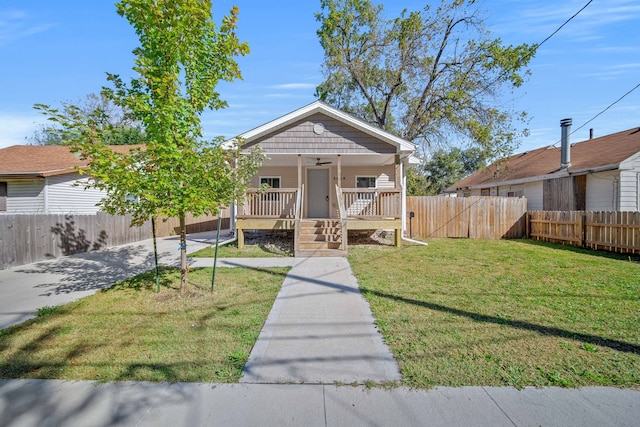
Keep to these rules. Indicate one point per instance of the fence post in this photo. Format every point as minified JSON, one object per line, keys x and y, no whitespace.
{"x":584,"y":229}
{"x":527,"y":224}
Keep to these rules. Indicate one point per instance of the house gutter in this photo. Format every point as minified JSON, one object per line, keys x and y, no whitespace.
{"x":562,"y":174}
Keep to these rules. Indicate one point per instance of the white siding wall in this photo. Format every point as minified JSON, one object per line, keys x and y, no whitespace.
{"x":25,"y":196}
{"x":533,"y":192}
{"x":385,"y":175}
{"x":64,"y":197}
{"x":629,"y":188}
{"x":601,"y":191}
{"x":504,"y":190}
{"x":288,"y":176}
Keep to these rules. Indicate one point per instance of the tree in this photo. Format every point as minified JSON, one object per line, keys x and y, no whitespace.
{"x":181,"y":58}
{"x":446,"y":167}
{"x":433,"y":76}
{"x":118,"y":125}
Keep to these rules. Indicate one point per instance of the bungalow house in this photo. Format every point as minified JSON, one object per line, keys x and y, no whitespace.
{"x":327,"y":173}
{"x":600,"y":174}
{"x":41,"y":180}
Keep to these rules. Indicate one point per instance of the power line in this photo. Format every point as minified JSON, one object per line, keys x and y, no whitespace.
{"x":504,"y":72}
{"x":609,"y":106}
{"x":565,"y":23}
{"x":602,"y":112}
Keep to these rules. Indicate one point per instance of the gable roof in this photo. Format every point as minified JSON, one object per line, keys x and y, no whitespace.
{"x":321,"y":107}
{"x":598,"y":154}
{"x":44,"y":160}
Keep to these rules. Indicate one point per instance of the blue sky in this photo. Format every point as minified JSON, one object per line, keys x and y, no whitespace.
{"x":54,"y":51}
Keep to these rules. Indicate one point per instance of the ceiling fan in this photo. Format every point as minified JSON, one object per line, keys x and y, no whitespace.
{"x":319,"y":163}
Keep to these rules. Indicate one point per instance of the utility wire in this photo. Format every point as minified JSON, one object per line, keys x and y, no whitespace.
{"x":504,"y":72}
{"x":565,"y":23}
{"x":601,"y":112}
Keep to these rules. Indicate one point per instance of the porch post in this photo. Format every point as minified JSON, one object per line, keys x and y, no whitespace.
{"x":299,"y":172}
{"x":339,"y":171}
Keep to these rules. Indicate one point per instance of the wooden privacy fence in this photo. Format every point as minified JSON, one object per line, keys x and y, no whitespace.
{"x":610,"y":231}
{"x":467,"y":217}
{"x":27,"y":238}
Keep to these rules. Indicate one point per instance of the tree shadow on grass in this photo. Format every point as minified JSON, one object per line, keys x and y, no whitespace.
{"x":517,"y":324}
{"x":580,"y":250}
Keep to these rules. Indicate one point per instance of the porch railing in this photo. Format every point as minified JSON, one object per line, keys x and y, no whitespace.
{"x":298,"y":217}
{"x":343,"y":218}
{"x":355,"y":203}
{"x":270,"y":203}
{"x":364,"y":202}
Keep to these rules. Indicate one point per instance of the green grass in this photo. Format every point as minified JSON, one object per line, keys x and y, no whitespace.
{"x":520,"y":313}
{"x":132,"y":333}
{"x":249,"y":251}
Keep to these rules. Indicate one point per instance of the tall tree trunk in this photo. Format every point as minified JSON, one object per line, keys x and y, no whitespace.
{"x":184,"y":268}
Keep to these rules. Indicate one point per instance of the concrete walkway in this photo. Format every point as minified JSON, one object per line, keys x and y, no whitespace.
{"x":319,"y":332}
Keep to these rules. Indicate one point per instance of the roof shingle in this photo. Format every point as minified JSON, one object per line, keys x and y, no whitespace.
{"x":597,"y":153}
{"x":44,"y":160}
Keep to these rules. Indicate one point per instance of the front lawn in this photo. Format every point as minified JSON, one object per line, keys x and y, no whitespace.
{"x":132,"y":333}
{"x":519,"y":312}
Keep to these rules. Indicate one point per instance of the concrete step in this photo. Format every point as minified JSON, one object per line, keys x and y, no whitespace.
{"x":319,"y":245}
{"x":320,"y":252}
{"x":320,"y":238}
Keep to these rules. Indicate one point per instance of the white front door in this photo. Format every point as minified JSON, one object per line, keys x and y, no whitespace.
{"x":318,"y":193}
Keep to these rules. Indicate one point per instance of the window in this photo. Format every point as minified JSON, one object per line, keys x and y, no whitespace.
{"x":270,"y":182}
{"x":485,"y":192}
{"x":515,"y":193}
{"x":365,"y":182}
{"x":3,"y":196}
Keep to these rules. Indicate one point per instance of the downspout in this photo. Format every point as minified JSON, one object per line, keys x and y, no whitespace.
{"x":404,"y":206}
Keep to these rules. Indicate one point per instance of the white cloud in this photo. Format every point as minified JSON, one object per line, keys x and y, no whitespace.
{"x":15,"y":129}
{"x":15,"y":24}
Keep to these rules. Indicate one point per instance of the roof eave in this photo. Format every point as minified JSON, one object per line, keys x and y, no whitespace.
{"x":402,"y":145}
{"x":560,"y":174}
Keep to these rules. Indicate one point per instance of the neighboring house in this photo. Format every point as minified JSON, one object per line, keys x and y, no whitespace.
{"x":328,"y":173}
{"x":600,"y":174}
{"x":42,"y":180}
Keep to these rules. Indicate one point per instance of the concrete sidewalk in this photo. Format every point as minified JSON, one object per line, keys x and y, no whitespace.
{"x":27,"y":403}
{"x":320,"y":331}
{"x":59,"y":281}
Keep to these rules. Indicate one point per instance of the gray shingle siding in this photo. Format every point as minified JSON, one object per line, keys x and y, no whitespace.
{"x":337,"y":137}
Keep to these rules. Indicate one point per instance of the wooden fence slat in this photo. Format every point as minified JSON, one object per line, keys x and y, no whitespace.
{"x":27,"y":238}
{"x":467,"y":217}
{"x":611,"y":231}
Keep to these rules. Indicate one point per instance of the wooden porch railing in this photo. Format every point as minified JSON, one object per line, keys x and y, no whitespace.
{"x":343,"y":218}
{"x":363,"y":202}
{"x":298,"y":217}
{"x":271,"y":203}
{"x":353,"y":202}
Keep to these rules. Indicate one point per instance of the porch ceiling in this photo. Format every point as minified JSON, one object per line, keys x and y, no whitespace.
{"x":346,"y":159}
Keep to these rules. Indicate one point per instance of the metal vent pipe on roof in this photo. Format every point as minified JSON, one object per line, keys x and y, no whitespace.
{"x":565,"y":148}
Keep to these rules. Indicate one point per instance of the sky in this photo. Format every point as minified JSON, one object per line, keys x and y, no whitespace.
{"x":59,"y":51}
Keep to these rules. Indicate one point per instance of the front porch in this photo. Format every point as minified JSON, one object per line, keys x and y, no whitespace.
{"x":280,"y":209}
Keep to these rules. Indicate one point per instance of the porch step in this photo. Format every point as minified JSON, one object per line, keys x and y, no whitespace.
{"x":320,"y":252}
{"x":320,"y":237}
